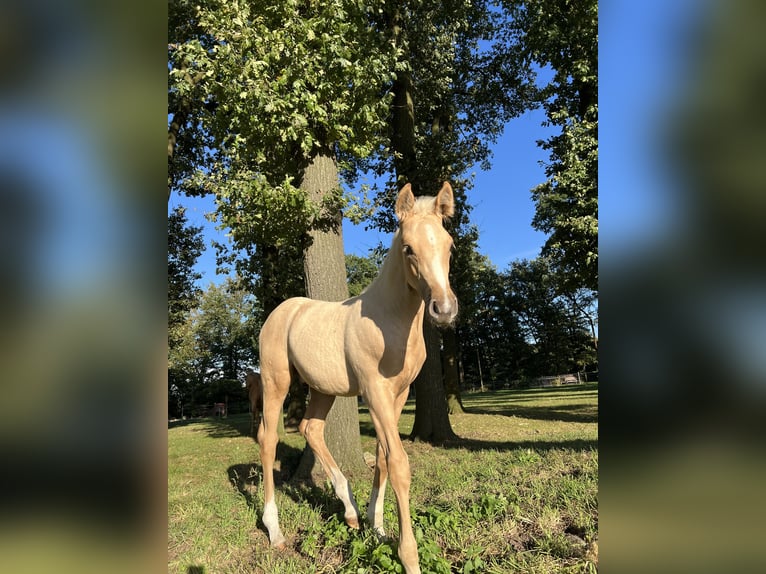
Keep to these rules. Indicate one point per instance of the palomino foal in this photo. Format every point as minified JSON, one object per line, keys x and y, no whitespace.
{"x":370,"y":345}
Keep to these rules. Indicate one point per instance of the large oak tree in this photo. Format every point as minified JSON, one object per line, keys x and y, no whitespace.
{"x":285,"y":87}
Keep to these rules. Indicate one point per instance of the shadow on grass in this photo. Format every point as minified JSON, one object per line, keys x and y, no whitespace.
{"x":511,"y":403}
{"x":322,"y":499}
{"x":195,"y":570}
{"x":246,"y":477}
{"x":532,"y":394}
{"x":563,"y":413}
{"x":478,"y":445}
{"x":226,"y":427}
{"x":182,"y":423}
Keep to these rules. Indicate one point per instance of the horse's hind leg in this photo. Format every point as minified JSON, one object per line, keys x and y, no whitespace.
{"x":312,"y":428}
{"x":276,"y":383}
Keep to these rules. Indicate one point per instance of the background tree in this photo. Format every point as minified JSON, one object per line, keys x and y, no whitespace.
{"x":293,"y":85}
{"x":494,"y":347}
{"x":188,"y":366}
{"x":431,"y":416}
{"x":361,"y":271}
{"x":562,"y":36}
{"x":226,"y":329}
{"x":583,"y":303}
{"x":215,"y":346}
{"x":188,"y":141}
{"x":559,"y":341}
{"x":185,"y":245}
{"x":466,"y":263}
{"x":520,"y":327}
{"x":451,"y":101}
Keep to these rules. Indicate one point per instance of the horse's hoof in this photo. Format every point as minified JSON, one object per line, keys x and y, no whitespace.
{"x":352,"y":522}
{"x":380,"y":532}
{"x":279,"y":544}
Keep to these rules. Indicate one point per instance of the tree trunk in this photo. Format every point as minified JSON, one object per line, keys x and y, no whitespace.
{"x":432,"y":422}
{"x":403,"y":109}
{"x":341,"y":433}
{"x":451,"y":374}
{"x":478,"y":363}
{"x":403,"y":134}
{"x":325,"y":275}
{"x":593,"y":334}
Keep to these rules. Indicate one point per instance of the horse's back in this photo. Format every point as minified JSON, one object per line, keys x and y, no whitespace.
{"x":283,"y":314}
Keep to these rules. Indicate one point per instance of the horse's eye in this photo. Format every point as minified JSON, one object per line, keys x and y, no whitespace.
{"x":408,"y":250}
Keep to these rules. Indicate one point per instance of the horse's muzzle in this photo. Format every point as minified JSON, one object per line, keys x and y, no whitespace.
{"x":443,"y":312}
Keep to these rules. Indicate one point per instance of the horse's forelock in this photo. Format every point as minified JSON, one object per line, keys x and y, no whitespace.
{"x":424,"y":205}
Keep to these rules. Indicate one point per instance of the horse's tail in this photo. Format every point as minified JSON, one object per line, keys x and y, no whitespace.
{"x":255,"y":396}
{"x":255,"y":391}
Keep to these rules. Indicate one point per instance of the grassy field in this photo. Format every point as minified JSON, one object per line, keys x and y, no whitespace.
{"x":518,"y":493}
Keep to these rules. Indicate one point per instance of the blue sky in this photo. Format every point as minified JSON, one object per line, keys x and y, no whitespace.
{"x":501,"y":200}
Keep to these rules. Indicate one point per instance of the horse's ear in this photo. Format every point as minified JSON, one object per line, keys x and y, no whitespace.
{"x":405,"y":202}
{"x":445,"y":202}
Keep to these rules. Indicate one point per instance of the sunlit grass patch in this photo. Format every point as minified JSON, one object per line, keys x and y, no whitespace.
{"x":517,"y":492}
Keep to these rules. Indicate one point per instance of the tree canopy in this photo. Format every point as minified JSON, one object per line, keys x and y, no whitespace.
{"x":561,"y":37}
{"x":185,"y":245}
{"x":215,"y":344}
{"x":260,"y":91}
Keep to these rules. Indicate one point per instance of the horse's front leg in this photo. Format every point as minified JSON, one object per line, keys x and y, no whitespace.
{"x":274,"y":393}
{"x":385,"y":416}
{"x":375,"y":508}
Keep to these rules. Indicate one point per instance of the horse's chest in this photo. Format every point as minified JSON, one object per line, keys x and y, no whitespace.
{"x":415,"y":359}
{"x":408,"y":362}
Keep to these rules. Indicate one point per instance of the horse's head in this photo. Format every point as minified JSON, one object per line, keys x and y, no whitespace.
{"x":426,"y":248}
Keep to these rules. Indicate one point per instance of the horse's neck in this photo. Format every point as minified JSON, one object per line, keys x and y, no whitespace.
{"x":390,"y":289}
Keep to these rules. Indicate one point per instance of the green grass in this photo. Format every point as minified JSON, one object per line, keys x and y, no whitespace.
{"x":517,"y":493}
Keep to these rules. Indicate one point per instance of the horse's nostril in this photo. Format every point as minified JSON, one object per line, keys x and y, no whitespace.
{"x":440,"y":310}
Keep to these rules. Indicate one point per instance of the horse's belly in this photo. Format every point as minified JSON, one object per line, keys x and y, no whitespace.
{"x":328,"y":378}
{"x":316,"y":351}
